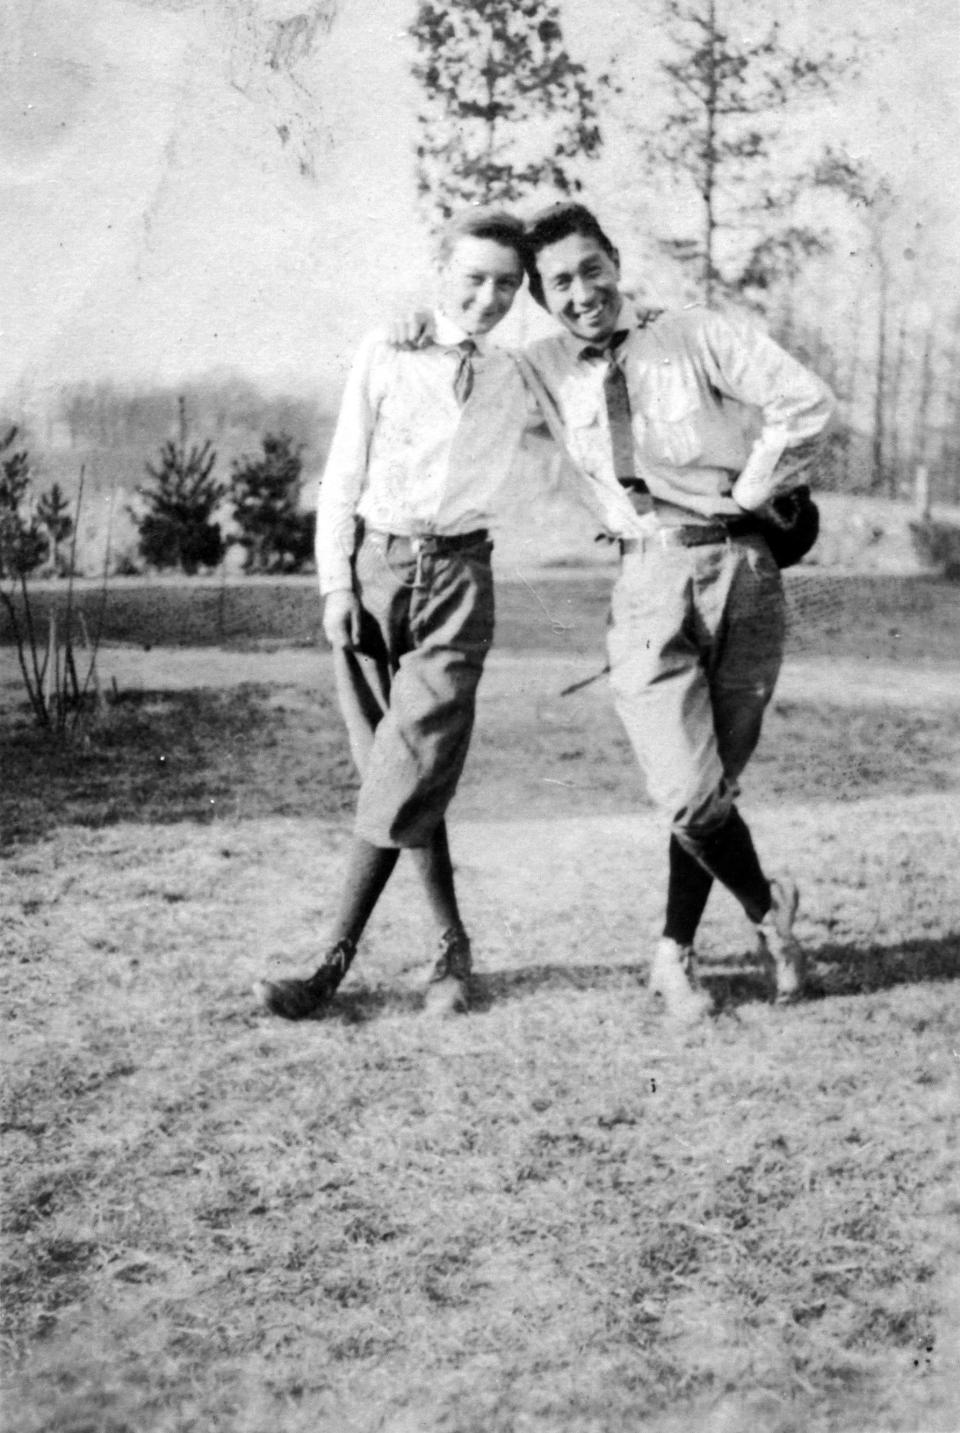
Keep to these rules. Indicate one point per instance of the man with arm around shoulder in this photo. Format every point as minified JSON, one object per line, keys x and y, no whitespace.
{"x":655,"y":409}
{"x":423,"y":442}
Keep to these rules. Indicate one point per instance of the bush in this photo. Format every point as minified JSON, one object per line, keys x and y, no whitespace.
{"x":275,"y":535}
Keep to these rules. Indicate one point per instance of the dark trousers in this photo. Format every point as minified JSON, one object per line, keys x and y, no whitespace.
{"x":408,"y":695}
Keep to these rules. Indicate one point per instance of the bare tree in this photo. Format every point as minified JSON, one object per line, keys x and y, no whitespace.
{"x":872,"y":198}
{"x":921,"y":437}
{"x":949,"y":456}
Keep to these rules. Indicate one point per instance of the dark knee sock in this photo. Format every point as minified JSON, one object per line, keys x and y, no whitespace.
{"x":688,"y":888}
{"x":435,"y":869}
{"x":369,"y":868}
{"x":728,"y":854}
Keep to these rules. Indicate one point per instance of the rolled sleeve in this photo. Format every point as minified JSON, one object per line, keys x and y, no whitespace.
{"x":795,"y":405}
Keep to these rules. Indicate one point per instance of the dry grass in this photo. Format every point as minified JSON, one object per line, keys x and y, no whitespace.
{"x":556,"y":1216}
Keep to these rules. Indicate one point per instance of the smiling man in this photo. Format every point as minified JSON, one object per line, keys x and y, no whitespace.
{"x":688,"y":424}
{"x":423,"y":442}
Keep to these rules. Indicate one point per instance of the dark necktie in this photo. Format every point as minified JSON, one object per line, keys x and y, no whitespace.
{"x":618,"y":410}
{"x":463,"y":379}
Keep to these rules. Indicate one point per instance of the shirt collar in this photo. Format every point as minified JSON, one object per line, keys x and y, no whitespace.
{"x":626,"y":319}
{"x":448,"y":333}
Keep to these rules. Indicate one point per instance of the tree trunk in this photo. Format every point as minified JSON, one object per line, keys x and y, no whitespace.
{"x":878,"y":475}
{"x":893,"y":405}
{"x":710,"y":162}
{"x":924,"y":395}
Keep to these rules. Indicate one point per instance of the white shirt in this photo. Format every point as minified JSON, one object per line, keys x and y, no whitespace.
{"x":406,"y":457}
{"x":714,"y":405}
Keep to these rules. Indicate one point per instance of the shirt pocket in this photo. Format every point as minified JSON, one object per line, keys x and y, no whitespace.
{"x":585,"y":429}
{"x":672,"y":408}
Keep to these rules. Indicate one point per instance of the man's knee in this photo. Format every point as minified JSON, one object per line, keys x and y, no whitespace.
{"x":696,"y":822}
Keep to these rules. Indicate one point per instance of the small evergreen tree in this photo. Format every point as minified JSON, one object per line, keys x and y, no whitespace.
{"x":53,"y":512}
{"x":505,"y":109}
{"x":23,"y":542}
{"x":275,"y":534}
{"x":177,"y":530}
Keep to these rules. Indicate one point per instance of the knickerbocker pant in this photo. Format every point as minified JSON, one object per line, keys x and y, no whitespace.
{"x":696,"y":643}
{"x":408,"y":696}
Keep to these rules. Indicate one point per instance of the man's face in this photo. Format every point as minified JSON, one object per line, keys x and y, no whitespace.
{"x":580,"y":286}
{"x":478,"y":283}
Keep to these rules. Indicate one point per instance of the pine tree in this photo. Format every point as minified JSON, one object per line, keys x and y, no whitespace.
{"x":53,"y":512}
{"x":505,"y":109}
{"x":276,"y":535}
{"x":23,"y":543}
{"x":176,"y":531}
{"x":724,"y":95}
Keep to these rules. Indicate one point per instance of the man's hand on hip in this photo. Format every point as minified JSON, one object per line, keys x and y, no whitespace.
{"x":341,"y":619}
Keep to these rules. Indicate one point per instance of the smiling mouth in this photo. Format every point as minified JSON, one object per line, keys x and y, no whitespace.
{"x":590,"y":315}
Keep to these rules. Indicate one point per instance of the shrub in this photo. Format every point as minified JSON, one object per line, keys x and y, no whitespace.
{"x":49,"y":666}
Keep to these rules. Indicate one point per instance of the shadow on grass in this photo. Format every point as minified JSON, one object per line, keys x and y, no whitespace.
{"x":357,"y":1005}
{"x":861,"y":970}
{"x":163,"y":756}
{"x":834,"y":970}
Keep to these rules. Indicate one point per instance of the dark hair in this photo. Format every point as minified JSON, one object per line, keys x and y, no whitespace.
{"x":556,"y":223}
{"x":495,"y":224}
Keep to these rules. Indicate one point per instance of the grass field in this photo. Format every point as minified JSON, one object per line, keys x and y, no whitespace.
{"x":558,"y":1215}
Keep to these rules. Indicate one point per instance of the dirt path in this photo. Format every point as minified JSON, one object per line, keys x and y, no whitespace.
{"x":841,"y":683}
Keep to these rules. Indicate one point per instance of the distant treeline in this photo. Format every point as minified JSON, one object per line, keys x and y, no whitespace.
{"x":116,"y":435}
{"x":233,"y":412}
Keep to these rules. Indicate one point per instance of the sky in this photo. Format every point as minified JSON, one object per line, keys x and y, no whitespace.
{"x":171,"y":205}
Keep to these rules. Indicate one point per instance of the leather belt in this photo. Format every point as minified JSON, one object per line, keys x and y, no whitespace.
{"x":692,"y":535}
{"x":438,"y":542}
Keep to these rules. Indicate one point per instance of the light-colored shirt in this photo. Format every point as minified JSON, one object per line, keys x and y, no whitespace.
{"x":406,"y":457}
{"x":715,"y":405}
